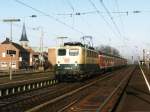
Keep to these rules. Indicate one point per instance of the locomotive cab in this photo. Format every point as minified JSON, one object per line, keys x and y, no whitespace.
{"x":68,"y":62}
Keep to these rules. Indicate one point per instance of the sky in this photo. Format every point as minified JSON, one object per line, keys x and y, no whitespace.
{"x":107,"y":22}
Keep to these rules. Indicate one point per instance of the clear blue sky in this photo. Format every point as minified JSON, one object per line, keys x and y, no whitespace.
{"x":134,"y":28}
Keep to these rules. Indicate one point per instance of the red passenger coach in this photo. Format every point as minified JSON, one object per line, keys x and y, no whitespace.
{"x":107,"y":61}
{"x":102,"y":63}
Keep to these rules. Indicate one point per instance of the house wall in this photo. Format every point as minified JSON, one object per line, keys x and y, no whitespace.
{"x":52,"y":56}
{"x":6,"y":59}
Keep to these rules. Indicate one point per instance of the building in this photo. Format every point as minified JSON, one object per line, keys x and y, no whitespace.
{"x":52,"y":56}
{"x":24,"y":40}
{"x":21,"y":55}
{"x":13,"y":54}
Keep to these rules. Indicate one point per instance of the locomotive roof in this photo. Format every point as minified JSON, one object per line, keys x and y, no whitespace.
{"x":77,"y":44}
{"x":74,"y":44}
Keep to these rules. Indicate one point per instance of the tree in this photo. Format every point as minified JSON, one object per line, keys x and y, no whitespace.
{"x":108,"y":50}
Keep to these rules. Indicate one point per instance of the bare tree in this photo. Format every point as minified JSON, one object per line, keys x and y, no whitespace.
{"x":108,"y":50}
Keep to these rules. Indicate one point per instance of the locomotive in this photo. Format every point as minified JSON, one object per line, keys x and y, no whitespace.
{"x":77,"y":61}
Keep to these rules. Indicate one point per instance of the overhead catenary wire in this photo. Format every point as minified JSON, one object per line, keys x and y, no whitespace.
{"x":73,"y":10}
{"x":70,"y":4}
{"x":114,"y":23}
{"x":78,"y":13}
{"x":101,"y":16}
{"x":121,"y":21}
{"x":112,"y":19}
{"x":72,"y":7}
{"x":48,"y":15}
{"x":108,"y":24}
{"x":101,"y":12}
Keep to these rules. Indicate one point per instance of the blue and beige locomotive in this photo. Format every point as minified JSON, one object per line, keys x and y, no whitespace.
{"x":75,"y":61}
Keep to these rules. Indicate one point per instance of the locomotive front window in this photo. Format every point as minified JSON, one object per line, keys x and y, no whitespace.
{"x":73,"y":52}
{"x":61,"y":52}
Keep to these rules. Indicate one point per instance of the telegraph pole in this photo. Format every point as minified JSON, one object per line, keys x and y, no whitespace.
{"x":144,"y":56}
{"x":41,"y":58}
{"x":41,"y":48}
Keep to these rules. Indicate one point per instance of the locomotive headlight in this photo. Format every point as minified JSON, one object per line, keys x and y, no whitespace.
{"x":76,"y":63}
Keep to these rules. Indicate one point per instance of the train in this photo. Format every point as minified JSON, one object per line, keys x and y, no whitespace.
{"x":76,"y":61}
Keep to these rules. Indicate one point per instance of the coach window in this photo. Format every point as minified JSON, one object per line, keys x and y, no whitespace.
{"x":61,"y":52}
{"x":88,"y":53}
{"x":73,"y":52}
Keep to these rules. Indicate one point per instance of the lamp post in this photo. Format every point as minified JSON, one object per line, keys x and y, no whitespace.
{"x":11,"y":22}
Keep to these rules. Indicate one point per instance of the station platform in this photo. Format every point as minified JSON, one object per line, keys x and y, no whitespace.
{"x":137,"y":95}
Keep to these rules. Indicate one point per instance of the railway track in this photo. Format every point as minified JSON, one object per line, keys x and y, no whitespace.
{"x":25,"y":83}
{"x":60,"y":97}
{"x":23,"y":73}
{"x":136,"y":96}
{"x":24,"y":76}
{"x":102,"y":96}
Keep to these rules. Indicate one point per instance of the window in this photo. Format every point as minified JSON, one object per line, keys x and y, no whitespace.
{"x":3,"y":64}
{"x":13,"y":63}
{"x":11,"y":52}
{"x":3,"y":54}
{"x":61,"y":52}
{"x":73,"y":52}
{"x":88,"y":53}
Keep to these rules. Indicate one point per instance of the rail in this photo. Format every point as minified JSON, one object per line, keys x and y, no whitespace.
{"x":110,"y":103}
{"x":63,"y":97}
